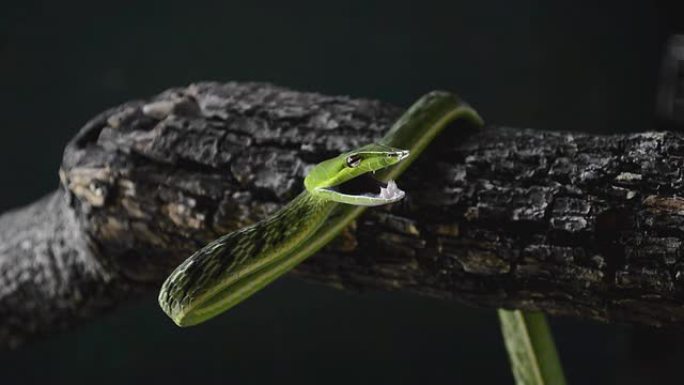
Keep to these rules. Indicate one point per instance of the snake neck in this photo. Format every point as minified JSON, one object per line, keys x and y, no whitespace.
{"x":296,"y":221}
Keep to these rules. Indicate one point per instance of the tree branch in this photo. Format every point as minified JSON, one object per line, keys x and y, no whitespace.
{"x":568,"y":223}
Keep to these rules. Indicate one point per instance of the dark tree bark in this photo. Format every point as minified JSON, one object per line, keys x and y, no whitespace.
{"x":568,"y":223}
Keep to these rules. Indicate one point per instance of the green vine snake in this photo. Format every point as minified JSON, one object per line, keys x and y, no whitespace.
{"x":236,"y":265}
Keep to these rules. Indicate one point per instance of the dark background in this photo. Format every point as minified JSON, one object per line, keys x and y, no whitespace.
{"x":561,"y":65}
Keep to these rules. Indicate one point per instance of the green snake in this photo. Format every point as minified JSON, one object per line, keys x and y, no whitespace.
{"x":336,"y":191}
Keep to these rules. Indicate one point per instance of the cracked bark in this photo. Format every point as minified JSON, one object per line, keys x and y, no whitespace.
{"x":569,"y":223}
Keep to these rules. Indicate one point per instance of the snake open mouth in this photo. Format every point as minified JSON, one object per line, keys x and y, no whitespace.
{"x":367,"y":186}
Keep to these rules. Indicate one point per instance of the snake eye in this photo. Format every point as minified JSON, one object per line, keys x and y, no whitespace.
{"x":353,"y":161}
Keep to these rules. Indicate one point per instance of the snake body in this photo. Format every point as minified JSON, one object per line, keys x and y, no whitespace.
{"x":236,"y":265}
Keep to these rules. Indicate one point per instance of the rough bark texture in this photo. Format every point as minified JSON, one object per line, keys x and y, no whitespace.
{"x":570,"y":223}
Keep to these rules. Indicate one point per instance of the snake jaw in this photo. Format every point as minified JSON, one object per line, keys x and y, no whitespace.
{"x":364,"y":190}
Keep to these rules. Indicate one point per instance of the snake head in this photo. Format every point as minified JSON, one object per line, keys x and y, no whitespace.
{"x":350,"y":177}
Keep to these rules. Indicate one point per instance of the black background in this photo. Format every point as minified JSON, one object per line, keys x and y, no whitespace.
{"x":556,"y":65}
